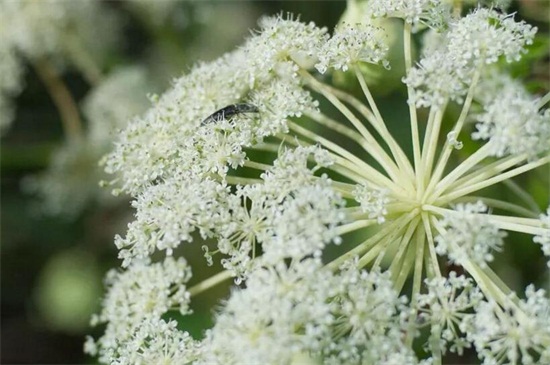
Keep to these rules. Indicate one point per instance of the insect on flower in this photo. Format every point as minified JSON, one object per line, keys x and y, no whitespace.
{"x":229,"y":112}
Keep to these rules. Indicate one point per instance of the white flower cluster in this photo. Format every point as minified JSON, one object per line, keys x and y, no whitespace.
{"x":447,"y":308}
{"x":515,"y":334}
{"x":468,"y":235}
{"x":434,"y":13}
{"x":284,"y":313}
{"x":513,"y":124}
{"x":291,"y":214}
{"x":373,"y":201}
{"x":119,"y":97}
{"x":61,"y":30}
{"x":135,"y":301}
{"x":154,"y":341}
{"x":470,"y":44}
{"x":280,"y":45}
{"x":166,"y":140}
{"x":351,"y":44}
{"x":10,"y":78}
{"x":239,"y":154}
{"x":168,"y":213}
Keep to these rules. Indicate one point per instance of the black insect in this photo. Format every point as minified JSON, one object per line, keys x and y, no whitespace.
{"x":229,"y":112}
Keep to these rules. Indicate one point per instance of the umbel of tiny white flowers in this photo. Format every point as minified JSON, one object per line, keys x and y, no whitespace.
{"x":272,"y":189}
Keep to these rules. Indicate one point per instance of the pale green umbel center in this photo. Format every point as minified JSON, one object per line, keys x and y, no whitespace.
{"x":419,"y":192}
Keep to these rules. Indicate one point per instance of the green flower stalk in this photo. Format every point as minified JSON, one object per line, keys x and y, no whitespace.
{"x":274,"y":188}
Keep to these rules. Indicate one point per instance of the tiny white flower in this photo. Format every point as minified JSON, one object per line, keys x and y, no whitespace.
{"x":351,"y":44}
{"x":468,"y":235}
{"x":141,"y":294}
{"x":430,"y":12}
{"x":513,"y":125}
{"x":447,"y":309}
{"x":472,"y":42}
{"x":515,"y":333}
{"x":373,"y":201}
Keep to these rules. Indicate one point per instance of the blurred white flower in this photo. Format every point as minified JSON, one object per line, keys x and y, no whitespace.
{"x":71,"y":182}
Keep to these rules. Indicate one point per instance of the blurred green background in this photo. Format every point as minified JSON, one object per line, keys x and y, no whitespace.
{"x":52,"y":266}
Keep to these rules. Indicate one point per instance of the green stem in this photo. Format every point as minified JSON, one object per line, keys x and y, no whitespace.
{"x":448,"y":148}
{"x":371,"y":146}
{"x":435,"y":343}
{"x":381,"y":128}
{"x":403,"y":246}
{"x":461,"y":169}
{"x":411,"y":102}
{"x":544,"y":100}
{"x":361,"y":166}
{"x":445,"y":199}
{"x":431,"y":147}
{"x":499,"y":204}
{"x":387,"y":229}
{"x":486,"y":172}
{"x":83,"y":59}
{"x":62,"y":98}
{"x":238,"y":180}
{"x":431,"y":245}
{"x":210,"y":282}
{"x":523,"y":195}
{"x":417,"y":280}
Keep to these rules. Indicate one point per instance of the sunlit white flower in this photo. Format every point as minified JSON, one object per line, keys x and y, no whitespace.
{"x":518,"y":333}
{"x":447,"y":309}
{"x":513,"y":124}
{"x":472,"y":42}
{"x":284,"y":312}
{"x":467,"y":235}
{"x":137,"y":296}
{"x":351,"y":44}
{"x":430,"y":12}
{"x":309,"y":165}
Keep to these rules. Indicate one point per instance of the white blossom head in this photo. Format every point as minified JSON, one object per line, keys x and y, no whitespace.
{"x":261,"y":156}
{"x":447,"y":308}
{"x":516,"y":333}
{"x":137,"y":298}
{"x":473,"y":42}
{"x":60,"y":28}
{"x":432,"y":13}
{"x":467,"y":234}
{"x":288,"y":311}
{"x":513,"y":124}
{"x":351,"y":44}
